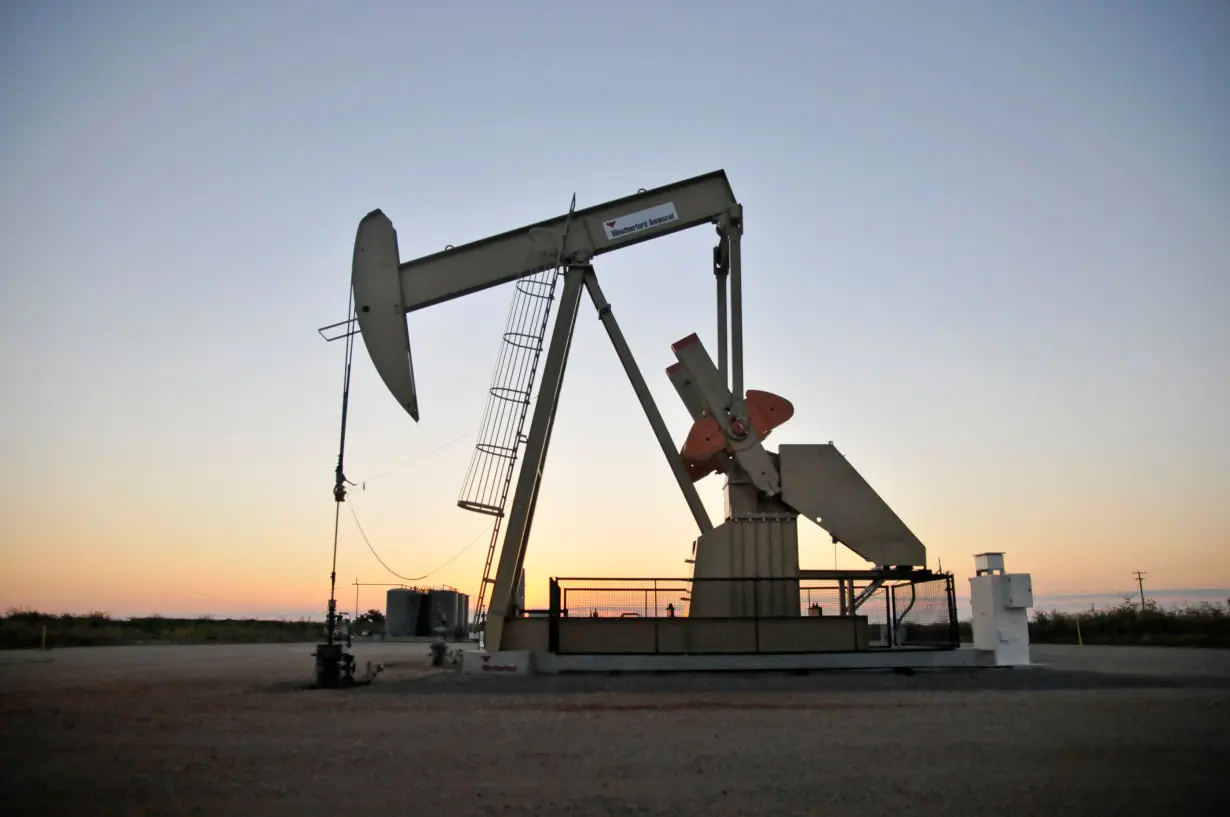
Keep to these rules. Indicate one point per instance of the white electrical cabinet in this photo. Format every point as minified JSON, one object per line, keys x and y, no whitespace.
{"x":1020,"y":591}
{"x":989,"y":562}
{"x":1001,"y":603}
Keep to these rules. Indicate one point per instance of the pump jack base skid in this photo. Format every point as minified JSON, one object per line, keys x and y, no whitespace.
{"x":546,"y":663}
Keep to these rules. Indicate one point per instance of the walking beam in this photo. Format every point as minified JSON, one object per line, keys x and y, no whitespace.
{"x":385,"y":289}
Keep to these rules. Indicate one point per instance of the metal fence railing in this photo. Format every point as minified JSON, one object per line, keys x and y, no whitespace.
{"x":859,"y":612}
{"x":924,"y":613}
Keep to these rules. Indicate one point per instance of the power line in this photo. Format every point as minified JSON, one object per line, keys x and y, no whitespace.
{"x":1140,"y":582}
{"x":452,"y":559}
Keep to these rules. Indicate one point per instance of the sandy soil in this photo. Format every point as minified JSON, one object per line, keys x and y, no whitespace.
{"x":226,"y":730}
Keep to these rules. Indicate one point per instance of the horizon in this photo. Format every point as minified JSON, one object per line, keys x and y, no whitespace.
{"x":985,"y":255}
{"x":1168,"y":598}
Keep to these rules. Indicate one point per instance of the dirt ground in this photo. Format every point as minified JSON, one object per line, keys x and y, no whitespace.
{"x":227,"y":730}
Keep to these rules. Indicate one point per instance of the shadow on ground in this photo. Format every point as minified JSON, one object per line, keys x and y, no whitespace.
{"x":975,"y":680}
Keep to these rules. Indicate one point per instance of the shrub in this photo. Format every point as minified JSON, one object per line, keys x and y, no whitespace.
{"x":1130,"y":622}
{"x":23,"y":628}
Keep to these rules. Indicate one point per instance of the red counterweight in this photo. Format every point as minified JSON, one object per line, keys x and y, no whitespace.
{"x":705,"y":444}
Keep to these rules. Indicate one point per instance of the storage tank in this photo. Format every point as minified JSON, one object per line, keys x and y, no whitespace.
{"x":402,"y":612}
{"x":445,"y":610}
{"x":463,"y":615}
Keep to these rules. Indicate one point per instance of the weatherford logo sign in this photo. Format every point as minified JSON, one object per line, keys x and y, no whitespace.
{"x":634,"y":223}
{"x":490,"y":667}
{"x":499,"y":662}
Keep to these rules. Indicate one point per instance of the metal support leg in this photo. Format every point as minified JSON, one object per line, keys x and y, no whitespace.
{"x":735,"y":236}
{"x":529,"y":478}
{"x":867,"y":593}
{"x":721,"y":269}
{"x":651,"y":409}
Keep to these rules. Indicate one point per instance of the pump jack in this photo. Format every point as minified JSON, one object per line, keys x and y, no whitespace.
{"x":765,"y":492}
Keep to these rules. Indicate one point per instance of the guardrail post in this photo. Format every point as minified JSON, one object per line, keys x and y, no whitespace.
{"x":953,"y":624}
{"x":892,"y":616}
{"x":553,"y":617}
{"x":656,"y":621}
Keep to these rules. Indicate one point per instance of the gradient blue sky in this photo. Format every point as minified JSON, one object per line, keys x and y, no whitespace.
{"x":987,"y":254}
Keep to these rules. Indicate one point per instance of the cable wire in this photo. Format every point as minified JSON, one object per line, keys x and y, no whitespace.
{"x":422,"y":456}
{"x":452,"y":559}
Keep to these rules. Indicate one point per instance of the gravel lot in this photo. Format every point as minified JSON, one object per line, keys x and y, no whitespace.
{"x":228,"y":730}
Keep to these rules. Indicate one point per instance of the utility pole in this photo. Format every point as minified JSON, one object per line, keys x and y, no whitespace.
{"x":1140,"y":582}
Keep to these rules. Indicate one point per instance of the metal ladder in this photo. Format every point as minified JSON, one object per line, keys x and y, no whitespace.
{"x":501,"y":432}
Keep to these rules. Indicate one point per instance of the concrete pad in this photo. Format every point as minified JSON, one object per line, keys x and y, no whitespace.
{"x":549,"y":663}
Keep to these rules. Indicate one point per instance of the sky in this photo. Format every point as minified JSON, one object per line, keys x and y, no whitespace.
{"x":987,"y":254}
